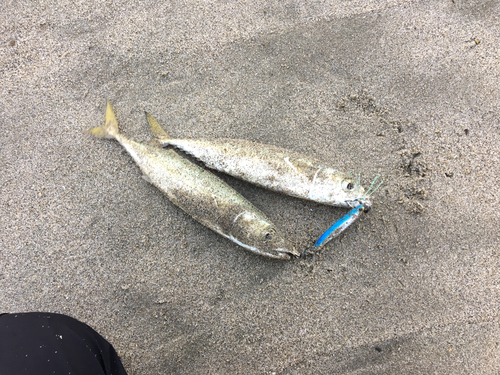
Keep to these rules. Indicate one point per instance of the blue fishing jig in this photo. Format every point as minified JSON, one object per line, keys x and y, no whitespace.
{"x":340,"y":225}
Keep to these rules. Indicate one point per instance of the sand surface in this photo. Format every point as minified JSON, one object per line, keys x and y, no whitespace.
{"x":407,"y":89}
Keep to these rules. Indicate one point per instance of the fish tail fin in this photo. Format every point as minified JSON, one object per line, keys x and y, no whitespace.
{"x":110,"y":127}
{"x":160,"y":134}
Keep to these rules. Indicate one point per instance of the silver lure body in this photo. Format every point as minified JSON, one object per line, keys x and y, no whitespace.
{"x":274,"y":168}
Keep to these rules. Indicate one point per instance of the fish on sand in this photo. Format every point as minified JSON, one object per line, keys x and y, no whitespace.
{"x":201,"y":194}
{"x":281,"y":170}
{"x":274,"y":168}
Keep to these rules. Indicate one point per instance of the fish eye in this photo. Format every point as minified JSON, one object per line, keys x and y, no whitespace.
{"x":268,"y":236}
{"x":347,"y":184}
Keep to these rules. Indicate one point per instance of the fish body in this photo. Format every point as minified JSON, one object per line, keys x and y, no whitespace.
{"x":274,"y":168}
{"x":202,"y":195}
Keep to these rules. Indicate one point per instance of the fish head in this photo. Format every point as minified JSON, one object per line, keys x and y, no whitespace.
{"x":356,"y":195}
{"x":272,"y":242}
{"x":329,"y":186}
{"x":352,"y":191}
{"x":344,"y":191}
{"x":257,"y":234}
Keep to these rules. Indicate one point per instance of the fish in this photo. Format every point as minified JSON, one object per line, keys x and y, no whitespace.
{"x":201,"y":194}
{"x":273,"y":168}
{"x":281,"y":170}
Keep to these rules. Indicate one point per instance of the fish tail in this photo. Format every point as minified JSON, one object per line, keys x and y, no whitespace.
{"x":110,"y":127}
{"x":160,"y":134}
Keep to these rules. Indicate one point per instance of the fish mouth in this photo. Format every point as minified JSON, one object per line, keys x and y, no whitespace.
{"x":367,"y":203}
{"x":288,"y":252}
{"x":279,"y":253}
{"x":282,"y":256}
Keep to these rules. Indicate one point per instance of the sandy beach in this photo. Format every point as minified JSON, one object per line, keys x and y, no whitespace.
{"x":409,"y":90}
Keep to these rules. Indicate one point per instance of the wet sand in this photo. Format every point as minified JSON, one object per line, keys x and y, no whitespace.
{"x":407,"y":90}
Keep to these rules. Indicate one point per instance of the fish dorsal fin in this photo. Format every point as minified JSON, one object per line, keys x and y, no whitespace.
{"x":156,"y":128}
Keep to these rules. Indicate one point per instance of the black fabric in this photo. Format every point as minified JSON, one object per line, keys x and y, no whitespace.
{"x":46,"y":343}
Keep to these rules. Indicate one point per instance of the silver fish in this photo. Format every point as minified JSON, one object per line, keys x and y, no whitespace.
{"x":274,"y":168}
{"x":201,"y":194}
